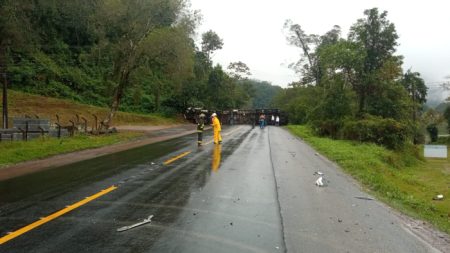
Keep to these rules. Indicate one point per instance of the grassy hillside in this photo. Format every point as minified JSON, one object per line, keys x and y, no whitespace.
{"x":21,"y":104}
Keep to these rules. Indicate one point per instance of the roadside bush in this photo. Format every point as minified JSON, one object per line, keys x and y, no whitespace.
{"x":386,"y":132}
{"x":433,"y":132}
{"x":327,"y":127}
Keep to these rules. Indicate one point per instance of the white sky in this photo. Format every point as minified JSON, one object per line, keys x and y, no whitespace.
{"x":252,"y":31}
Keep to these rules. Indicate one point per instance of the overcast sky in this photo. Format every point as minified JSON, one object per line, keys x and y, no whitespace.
{"x":252,"y":31}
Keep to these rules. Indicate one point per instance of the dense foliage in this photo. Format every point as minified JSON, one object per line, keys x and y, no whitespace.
{"x":133,"y":55}
{"x":354,"y":87}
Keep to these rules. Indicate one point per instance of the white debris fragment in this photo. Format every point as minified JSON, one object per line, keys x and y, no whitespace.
{"x":439,"y":197}
{"x":153,"y":163}
{"x":319,"y":173}
{"x":145,"y":221}
{"x":319,"y":182}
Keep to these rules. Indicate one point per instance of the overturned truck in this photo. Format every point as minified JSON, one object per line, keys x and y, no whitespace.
{"x":238,"y":116}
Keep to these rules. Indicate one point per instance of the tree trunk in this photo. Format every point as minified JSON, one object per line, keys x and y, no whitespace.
{"x":5,"y":101}
{"x":362,"y":100}
{"x":414,"y":102}
{"x":157,"y":97}
{"x":306,"y":52}
{"x":5,"y":86}
{"x":118,"y":94}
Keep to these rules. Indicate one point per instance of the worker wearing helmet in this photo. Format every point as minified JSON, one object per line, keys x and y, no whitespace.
{"x":217,"y":129}
{"x":200,"y":127}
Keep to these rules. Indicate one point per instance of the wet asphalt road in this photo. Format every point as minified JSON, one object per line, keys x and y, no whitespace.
{"x":253,"y":193}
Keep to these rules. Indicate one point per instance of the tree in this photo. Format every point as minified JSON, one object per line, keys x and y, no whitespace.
{"x":417,"y":90}
{"x":297,"y":37}
{"x":15,"y":32}
{"x":239,"y":70}
{"x":378,"y":37}
{"x":169,"y":57}
{"x":447,"y":117}
{"x":127,"y":25}
{"x":216,"y":89}
{"x":210,"y":43}
{"x":433,"y":131}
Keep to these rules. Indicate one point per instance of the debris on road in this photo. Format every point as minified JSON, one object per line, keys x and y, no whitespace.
{"x":364,"y":198}
{"x":318,"y":173}
{"x":319,"y":182}
{"x":145,"y":221}
{"x":439,"y":197}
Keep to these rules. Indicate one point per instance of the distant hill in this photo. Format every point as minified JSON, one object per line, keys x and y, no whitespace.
{"x":441,"y":107}
{"x":21,"y":104}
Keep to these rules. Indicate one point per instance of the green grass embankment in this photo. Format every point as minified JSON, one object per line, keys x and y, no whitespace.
{"x":401,"y":179}
{"x":18,"y":151}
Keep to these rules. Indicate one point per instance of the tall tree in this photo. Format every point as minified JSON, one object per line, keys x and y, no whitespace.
{"x":210,"y":43}
{"x":417,"y":90}
{"x":306,"y":42}
{"x":15,"y":33}
{"x":309,"y":65}
{"x":128,"y":24}
{"x":377,"y":35}
{"x":169,"y":57}
{"x":239,"y":70}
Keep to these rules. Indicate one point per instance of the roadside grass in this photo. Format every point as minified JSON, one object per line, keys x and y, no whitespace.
{"x":18,"y":151}
{"x":402,"y":179}
{"x":20,"y":104}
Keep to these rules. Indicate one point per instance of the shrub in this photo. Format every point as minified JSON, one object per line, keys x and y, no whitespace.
{"x":433,"y":132}
{"x":327,"y":127}
{"x":386,"y":132}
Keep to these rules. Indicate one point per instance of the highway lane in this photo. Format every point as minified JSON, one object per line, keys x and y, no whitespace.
{"x":253,"y":193}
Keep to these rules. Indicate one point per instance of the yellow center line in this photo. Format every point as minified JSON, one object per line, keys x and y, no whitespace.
{"x":53,"y":216}
{"x":176,"y":158}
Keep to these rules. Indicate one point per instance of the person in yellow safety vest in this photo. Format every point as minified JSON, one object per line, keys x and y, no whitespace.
{"x":217,"y":129}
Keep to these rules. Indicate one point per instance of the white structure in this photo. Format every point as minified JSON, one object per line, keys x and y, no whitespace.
{"x":435,"y":151}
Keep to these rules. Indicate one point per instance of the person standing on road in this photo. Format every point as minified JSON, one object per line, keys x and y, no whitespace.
{"x":200,"y":127}
{"x":277,"y":120}
{"x":217,"y":129}
{"x":272,"y":120}
{"x":262,"y":119}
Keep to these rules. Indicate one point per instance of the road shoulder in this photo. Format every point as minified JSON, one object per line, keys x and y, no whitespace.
{"x":339,"y":217}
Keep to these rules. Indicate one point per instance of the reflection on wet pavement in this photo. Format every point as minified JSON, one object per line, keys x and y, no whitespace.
{"x":217,"y":152}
